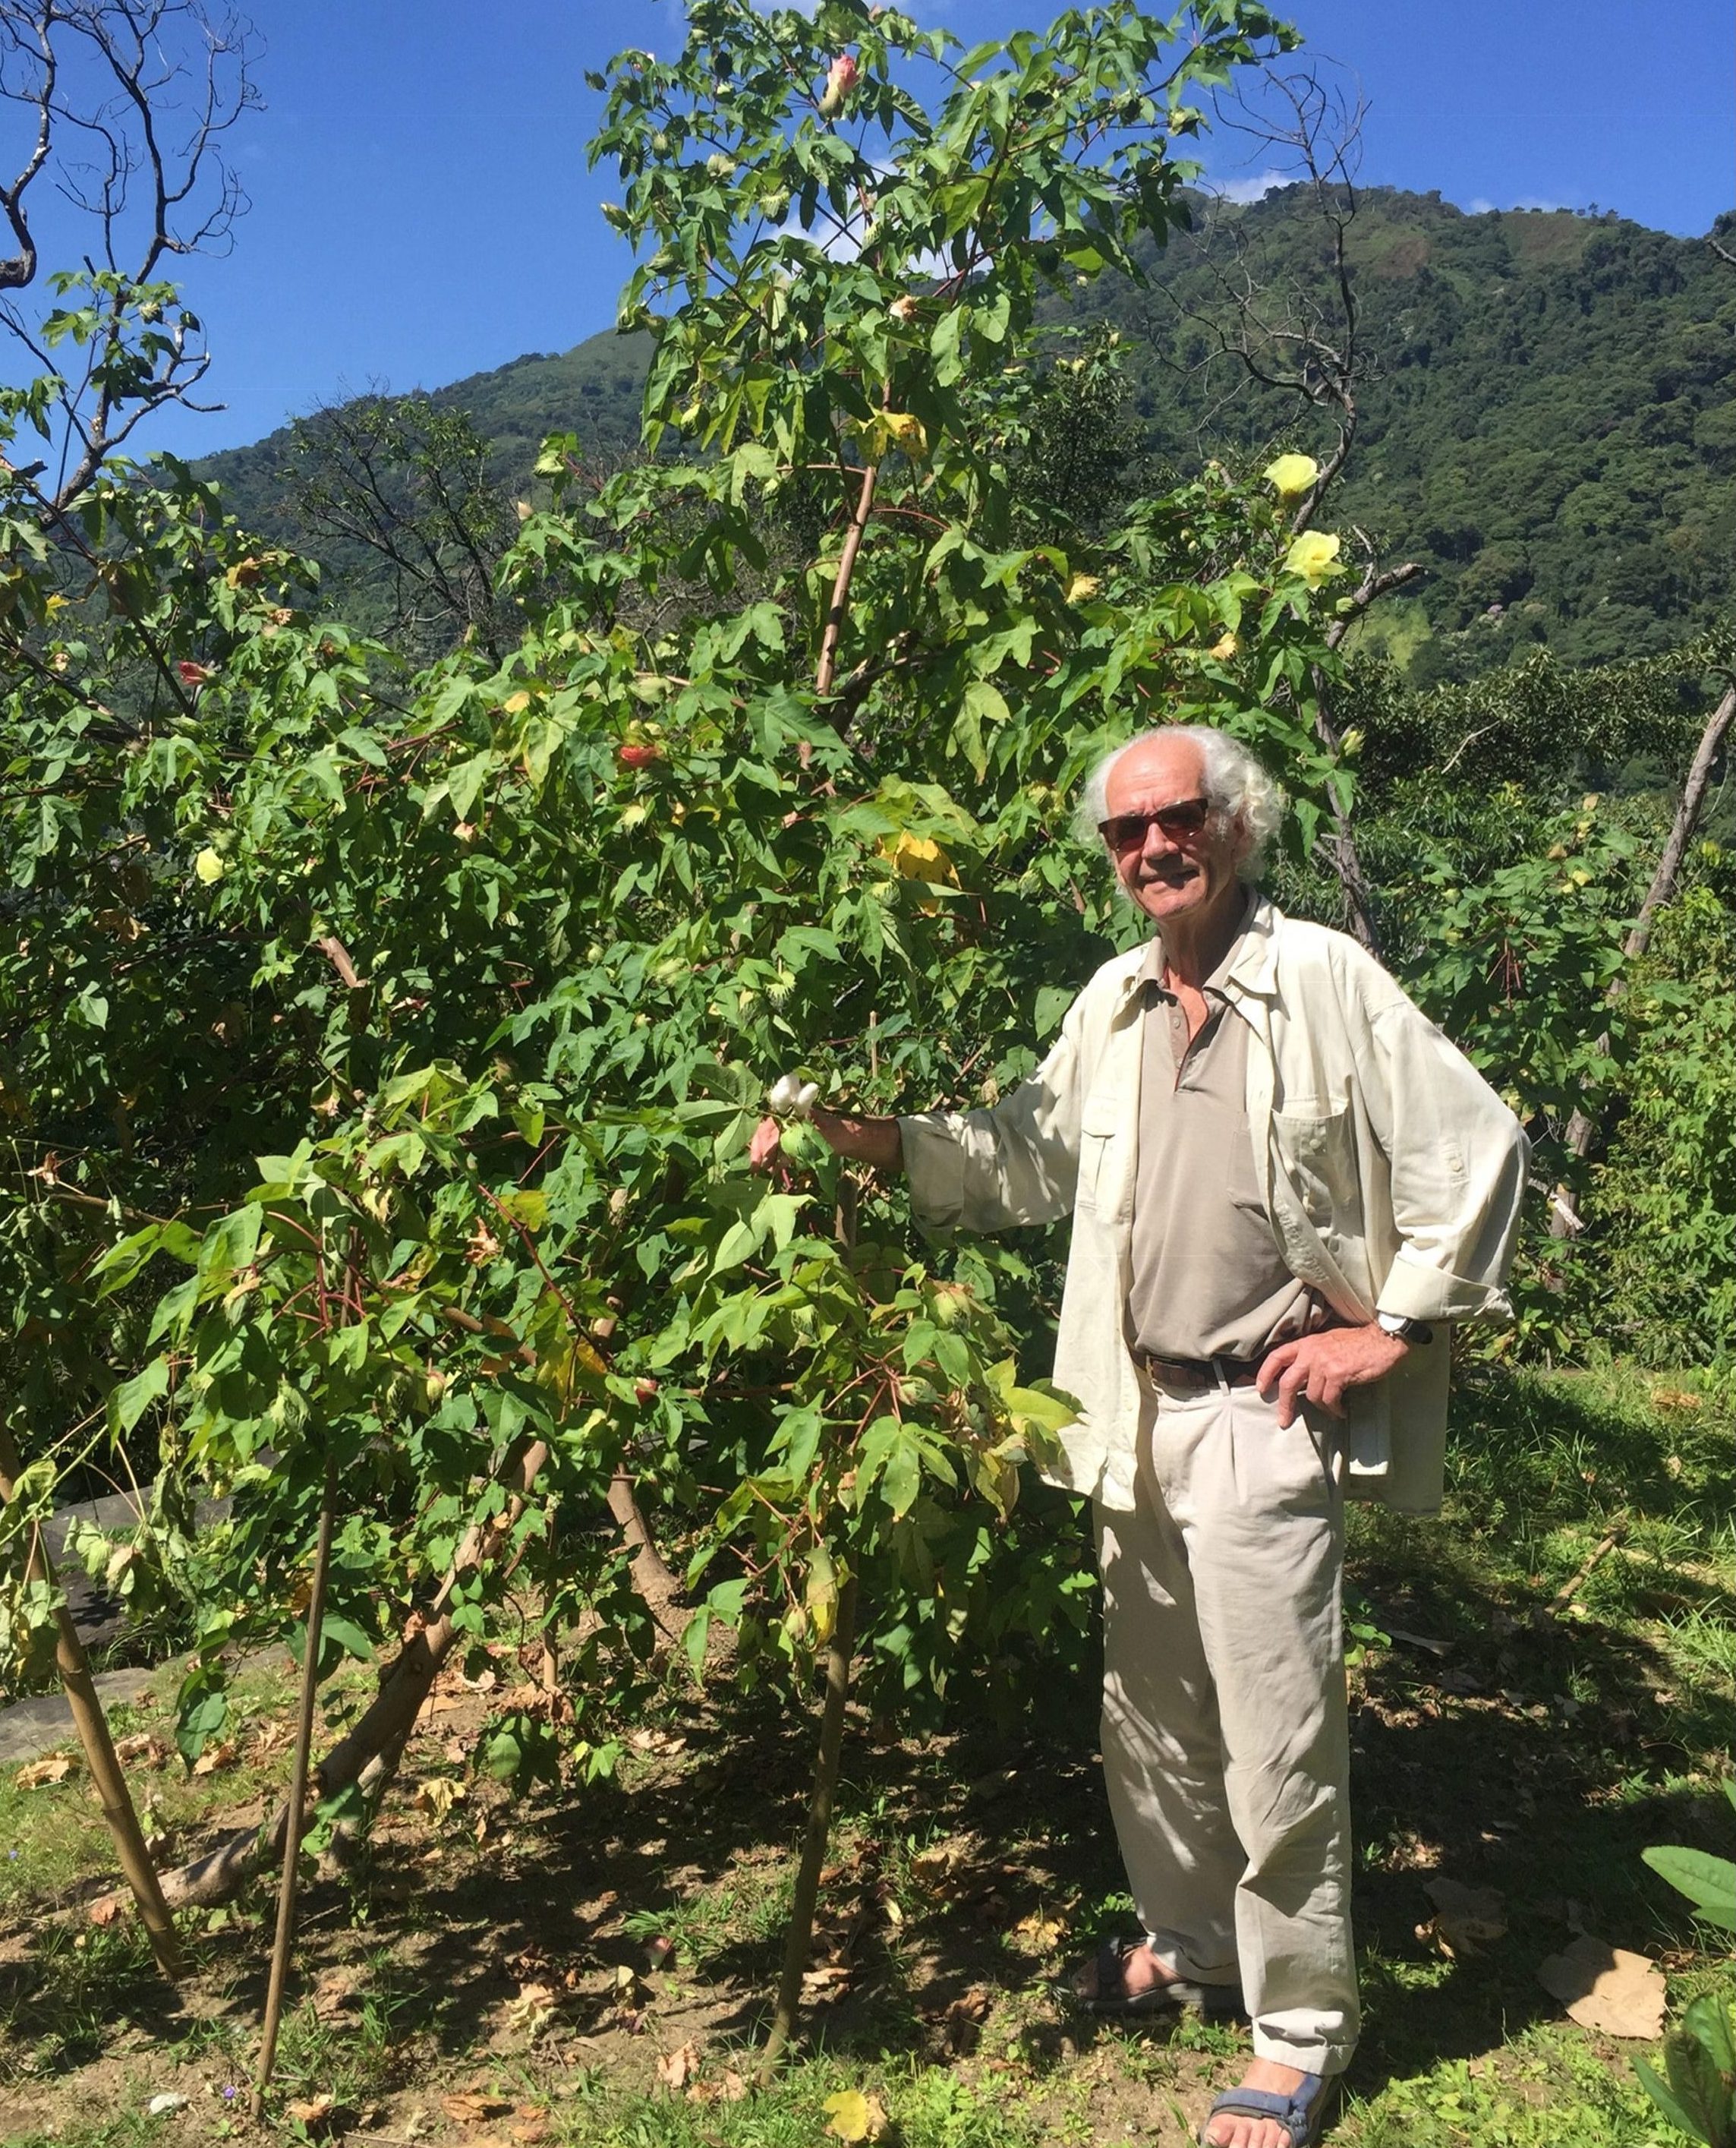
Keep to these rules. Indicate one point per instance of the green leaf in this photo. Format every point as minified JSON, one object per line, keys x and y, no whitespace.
{"x":348,"y":1636}
{"x":131,"y":1400}
{"x":1665,"y":2099}
{"x":1708,"y":1882}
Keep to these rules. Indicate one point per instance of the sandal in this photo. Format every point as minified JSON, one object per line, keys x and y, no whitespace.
{"x":1301,"y":2113}
{"x":1113,"y":1999}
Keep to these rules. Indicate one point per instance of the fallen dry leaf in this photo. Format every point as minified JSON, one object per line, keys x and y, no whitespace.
{"x":215,"y":1757}
{"x":963,"y":2018}
{"x":105,"y":1911}
{"x":437,"y":1795}
{"x":54,"y":1769}
{"x":270,"y":1738}
{"x":831,"y":1980}
{"x":314,"y":2110}
{"x":336,"y":1995}
{"x":1038,"y":1930}
{"x":675,"y":2068}
{"x":856,"y":2115}
{"x":533,"y":2009}
{"x":1466,"y":1918}
{"x":932,"y":1868}
{"x":1605,"y":1987}
{"x":474,"y":2108}
{"x":142,"y":1745}
{"x":729,"y":2087}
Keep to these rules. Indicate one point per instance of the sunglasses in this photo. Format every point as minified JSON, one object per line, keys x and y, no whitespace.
{"x":1127,"y":831}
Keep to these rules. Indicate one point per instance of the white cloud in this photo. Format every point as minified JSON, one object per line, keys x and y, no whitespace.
{"x":1482,"y":206}
{"x":1249,"y":189}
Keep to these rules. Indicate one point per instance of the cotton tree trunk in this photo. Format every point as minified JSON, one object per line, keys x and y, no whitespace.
{"x":1565,"y":1220}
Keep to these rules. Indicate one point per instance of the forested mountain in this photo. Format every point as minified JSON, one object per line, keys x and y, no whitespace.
{"x":1546,"y":401}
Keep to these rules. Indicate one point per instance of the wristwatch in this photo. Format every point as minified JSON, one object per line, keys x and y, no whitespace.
{"x":1405,"y":1331}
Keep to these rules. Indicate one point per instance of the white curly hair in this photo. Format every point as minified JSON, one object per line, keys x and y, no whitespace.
{"x":1237,"y":786}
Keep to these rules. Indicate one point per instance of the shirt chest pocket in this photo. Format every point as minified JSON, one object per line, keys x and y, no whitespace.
{"x":1316,"y":1153}
{"x":1100,"y":1162}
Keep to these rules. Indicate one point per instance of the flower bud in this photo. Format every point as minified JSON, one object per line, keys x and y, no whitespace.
{"x":840,"y":79}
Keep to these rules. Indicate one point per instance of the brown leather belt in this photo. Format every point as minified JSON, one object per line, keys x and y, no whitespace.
{"x":1200,"y":1372}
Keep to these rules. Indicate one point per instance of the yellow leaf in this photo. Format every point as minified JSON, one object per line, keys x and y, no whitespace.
{"x":208,"y":866}
{"x":919,"y":857}
{"x":907,"y":431}
{"x":515,"y":704}
{"x":856,"y":2116}
{"x":1291,"y":475}
{"x":437,"y":1795}
{"x":821,"y":1595}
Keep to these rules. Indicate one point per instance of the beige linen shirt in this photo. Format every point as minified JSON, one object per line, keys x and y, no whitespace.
{"x":1391,"y":1172}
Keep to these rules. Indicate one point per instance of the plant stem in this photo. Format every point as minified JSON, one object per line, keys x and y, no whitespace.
{"x":99,"y":1754}
{"x":298,"y":1795}
{"x":800,"y":1938}
{"x":840,"y":604}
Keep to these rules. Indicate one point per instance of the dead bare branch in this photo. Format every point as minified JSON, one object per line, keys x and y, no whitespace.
{"x":124,"y":106}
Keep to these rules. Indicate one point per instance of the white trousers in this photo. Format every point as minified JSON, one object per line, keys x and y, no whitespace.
{"x":1225,"y":1739}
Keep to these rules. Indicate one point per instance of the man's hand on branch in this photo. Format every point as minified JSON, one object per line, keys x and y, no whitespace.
{"x":876,"y":1141}
{"x":1322,"y":1368}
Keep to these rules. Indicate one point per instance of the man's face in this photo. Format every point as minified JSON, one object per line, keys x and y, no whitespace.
{"x":1183,"y":874}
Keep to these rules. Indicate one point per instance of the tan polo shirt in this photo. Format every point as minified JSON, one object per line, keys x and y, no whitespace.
{"x":1208,"y":1277}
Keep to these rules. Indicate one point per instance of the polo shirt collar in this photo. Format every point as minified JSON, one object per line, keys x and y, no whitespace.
{"x":1247,"y":967}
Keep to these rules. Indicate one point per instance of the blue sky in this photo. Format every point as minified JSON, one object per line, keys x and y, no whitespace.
{"x":422,"y":207}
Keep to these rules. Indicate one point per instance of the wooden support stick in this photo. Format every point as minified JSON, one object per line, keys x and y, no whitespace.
{"x":99,"y":1754}
{"x":1568,"y":1590}
{"x":800,"y":1937}
{"x":297,"y":1797}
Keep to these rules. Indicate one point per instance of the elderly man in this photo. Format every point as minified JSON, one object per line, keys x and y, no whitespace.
{"x":1285,"y":1184}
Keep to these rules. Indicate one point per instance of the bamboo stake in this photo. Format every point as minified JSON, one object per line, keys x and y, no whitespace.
{"x":297,"y":1797}
{"x":800,"y":1937}
{"x":91,"y":1725}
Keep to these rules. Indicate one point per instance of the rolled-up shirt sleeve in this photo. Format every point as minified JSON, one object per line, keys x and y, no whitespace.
{"x":1016,"y":1163}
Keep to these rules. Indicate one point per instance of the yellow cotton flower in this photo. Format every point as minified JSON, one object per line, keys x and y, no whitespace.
{"x":1291,"y":475}
{"x":1083,"y":588}
{"x":1314,"y":556}
{"x":1225,"y":650}
{"x":208,"y":866}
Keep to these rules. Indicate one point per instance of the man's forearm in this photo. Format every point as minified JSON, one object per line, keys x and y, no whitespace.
{"x":872,"y":1141}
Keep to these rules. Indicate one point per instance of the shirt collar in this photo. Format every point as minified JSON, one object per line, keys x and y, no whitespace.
{"x":1245,"y":968}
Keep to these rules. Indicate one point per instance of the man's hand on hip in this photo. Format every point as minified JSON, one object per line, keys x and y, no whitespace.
{"x":1321,"y":1368}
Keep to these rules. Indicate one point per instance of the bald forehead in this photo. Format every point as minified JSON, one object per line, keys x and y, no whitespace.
{"x":1157,"y":771}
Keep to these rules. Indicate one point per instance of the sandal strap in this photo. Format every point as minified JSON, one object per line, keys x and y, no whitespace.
{"x":1112,"y":1968}
{"x":1294,"y":2112}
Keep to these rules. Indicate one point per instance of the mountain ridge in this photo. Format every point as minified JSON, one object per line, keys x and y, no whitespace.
{"x":1547,"y":421}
